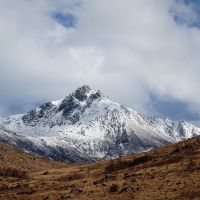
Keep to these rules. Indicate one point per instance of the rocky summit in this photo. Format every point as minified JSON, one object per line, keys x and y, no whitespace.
{"x":87,"y":126}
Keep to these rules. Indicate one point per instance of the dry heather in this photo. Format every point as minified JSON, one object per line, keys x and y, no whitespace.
{"x":11,"y":172}
{"x":171,"y":172}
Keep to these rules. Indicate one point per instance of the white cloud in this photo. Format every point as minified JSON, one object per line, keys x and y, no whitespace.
{"x":128,"y":49}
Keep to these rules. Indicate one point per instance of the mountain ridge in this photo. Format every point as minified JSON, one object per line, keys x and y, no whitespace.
{"x":87,"y":125}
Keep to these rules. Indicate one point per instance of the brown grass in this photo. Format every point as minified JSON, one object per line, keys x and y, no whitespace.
{"x":167,"y":173}
{"x":11,"y":172}
{"x":120,"y":164}
{"x":3,"y":187}
{"x":71,"y":177}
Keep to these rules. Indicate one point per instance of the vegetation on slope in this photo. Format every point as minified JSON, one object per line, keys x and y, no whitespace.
{"x":171,"y":172}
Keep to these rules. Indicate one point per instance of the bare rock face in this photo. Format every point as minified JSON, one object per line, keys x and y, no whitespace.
{"x":81,"y":93}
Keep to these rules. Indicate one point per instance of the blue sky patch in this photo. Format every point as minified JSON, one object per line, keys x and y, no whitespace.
{"x":172,"y":109}
{"x":67,"y":20}
{"x":189,"y":21}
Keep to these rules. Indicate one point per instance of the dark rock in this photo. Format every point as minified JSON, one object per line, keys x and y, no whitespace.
{"x":98,"y":181}
{"x":29,"y":117}
{"x":68,"y":105}
{"x":109,"y":176}
{"x":45,"y":173}
{"x":65,"y":196}
{"x":124,"y":189}
{"x":81,"y":93}
{"x":74,"y":118}
{"x":77,"y":190}
{"x":95,"y":95}
{"x":46,"y":106}
{"x":114,"y":188}
{"x":124,"y":137}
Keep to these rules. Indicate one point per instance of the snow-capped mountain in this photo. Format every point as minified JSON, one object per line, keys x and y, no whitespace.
{"x":178,"y":130}
{"x":87,"y":125}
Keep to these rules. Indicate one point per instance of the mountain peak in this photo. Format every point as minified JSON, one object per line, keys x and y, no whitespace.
{"x":85,"y":88}
{"x":87,"y":124}
{"x":82,"y":92}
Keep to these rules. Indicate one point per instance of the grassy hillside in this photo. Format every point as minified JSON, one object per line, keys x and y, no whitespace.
{"x":171,"y":172}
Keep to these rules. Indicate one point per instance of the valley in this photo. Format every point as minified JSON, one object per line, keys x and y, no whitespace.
{"x":170,"y":172}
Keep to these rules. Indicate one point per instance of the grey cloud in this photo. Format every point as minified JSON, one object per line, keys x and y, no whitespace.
{"x":128,"y":49}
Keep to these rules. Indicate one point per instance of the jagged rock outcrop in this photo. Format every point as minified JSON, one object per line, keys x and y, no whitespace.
{"x":87,"y":125}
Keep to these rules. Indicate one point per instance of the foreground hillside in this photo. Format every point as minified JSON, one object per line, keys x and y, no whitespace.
{"x":17,"y":159}
{"x":171,"y":172}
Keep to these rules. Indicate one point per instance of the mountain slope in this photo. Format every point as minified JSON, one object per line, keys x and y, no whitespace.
{"x":86,"y":126}
{"x":170,"y":172}
{"x":177,"y":130}
{"x":11,"y":157}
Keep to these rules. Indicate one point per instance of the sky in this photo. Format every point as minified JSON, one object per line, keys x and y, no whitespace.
{"x":143,"y":55}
